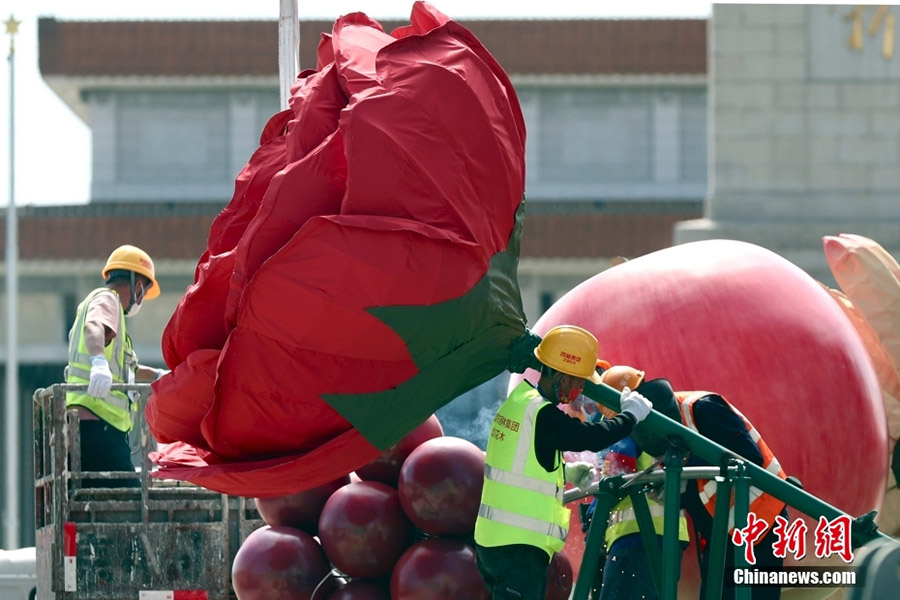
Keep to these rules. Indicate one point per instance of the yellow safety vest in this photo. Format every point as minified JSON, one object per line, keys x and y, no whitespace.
{"x":116,"y":408}
{"x":521,"y":503}
{"x":623,"y":521}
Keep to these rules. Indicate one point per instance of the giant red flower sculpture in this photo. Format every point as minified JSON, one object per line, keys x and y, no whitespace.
{"x":363,"y":273}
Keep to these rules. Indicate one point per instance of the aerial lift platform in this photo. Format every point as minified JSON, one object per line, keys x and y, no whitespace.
{"x":163,"y":540}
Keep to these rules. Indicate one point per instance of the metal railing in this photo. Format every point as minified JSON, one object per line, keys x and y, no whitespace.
{"x":57,"y":451}
{"x":129,"y":537}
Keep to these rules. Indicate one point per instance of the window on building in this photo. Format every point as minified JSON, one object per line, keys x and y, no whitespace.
{"x":69,"y":308}
{"x":547,"y":300}
{"x":615,"y":142}
{"x":172,"y":136}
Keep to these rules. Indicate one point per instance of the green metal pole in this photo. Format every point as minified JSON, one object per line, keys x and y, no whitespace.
{"x":718,"y":537}
{"x":717,"y":455}
{"x":741,"y":508}
{"x":672,"y":513}
{"x":595,"y":543}
{"x":648,"y":536}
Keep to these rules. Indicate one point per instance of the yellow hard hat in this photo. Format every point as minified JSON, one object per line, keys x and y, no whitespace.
{"x":132,"y":258}
{"x":621,"y":376}
{"x":570,"y":350}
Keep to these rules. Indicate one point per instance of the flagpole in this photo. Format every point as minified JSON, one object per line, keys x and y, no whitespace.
{"x":288,"y":48}
{"x":11,"y":530}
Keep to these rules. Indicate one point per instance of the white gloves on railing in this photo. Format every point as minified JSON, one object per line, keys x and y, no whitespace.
{"x":635,"y":404}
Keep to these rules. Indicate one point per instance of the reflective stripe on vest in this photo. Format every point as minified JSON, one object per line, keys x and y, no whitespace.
{"x":622,"y":520}
{"x":621,"y":515}
{"x":764,"y":506}
{"x":521,"y":502}
{"x":115,"y":408}
{"x":522,"y":522}
{"x":523,"y":481}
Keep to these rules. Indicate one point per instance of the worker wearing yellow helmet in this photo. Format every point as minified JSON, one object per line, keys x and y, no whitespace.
{"x":714,"y":417}
{"x":626,"y":569}
{"x":522,"y":521}
{"x":101,"y":353}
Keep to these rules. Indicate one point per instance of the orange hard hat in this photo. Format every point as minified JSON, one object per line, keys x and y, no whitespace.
{"x":618,"y":377}
{"x":621,"y":376}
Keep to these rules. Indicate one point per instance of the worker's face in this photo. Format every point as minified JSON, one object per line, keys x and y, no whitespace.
{"x":137,"y":298}
{"x":139,"y":291}
{"x":569,"y":387}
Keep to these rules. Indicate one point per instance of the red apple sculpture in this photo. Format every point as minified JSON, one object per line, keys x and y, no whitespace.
{"x":301,"y":510}
{"x":559,"y":577}
{"x":440,"y":485}
{"x":386,"y":468}
{"x":278,"y":562}
{"x":438,"y":569}
{"x":363,"y":529}
{"x":361,"y":589}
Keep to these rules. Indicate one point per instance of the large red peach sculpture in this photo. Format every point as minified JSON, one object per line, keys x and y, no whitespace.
{"x":740,"y":320}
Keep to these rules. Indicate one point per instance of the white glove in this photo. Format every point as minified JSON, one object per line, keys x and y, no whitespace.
{"x":635,"y":404}
{"x":580,"y":474}
{"x":101,"y":377}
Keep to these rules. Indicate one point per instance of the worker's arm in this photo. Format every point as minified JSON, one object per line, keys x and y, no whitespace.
{"x":95,"y":337}
{"x":95,"y":334}
{"x":148,"y":374}
{"x":101,"y":322}
{"x":556,"y":431}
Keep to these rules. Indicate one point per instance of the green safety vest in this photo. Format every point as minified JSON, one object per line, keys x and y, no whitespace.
{"x":622,"y":520}
{"x":116,"y":408}
{"x":521,"y":503}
